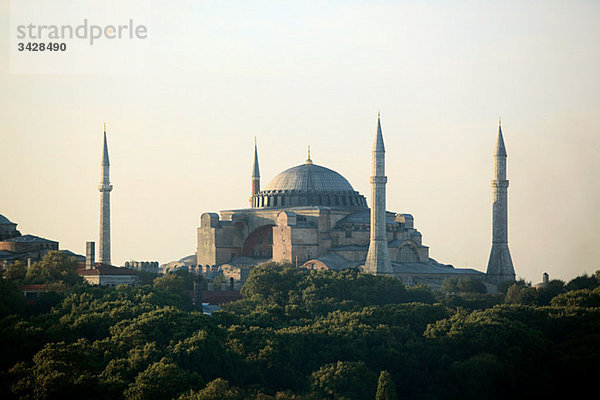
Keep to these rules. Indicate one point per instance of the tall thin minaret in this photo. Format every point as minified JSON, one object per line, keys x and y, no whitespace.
{"x":255,"y":174}
{"x":378,"y":257}
{"x":500,"y":266}
{"x":105,"y":188}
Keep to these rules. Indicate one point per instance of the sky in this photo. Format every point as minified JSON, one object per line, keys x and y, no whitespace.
{"x":183,"y":106}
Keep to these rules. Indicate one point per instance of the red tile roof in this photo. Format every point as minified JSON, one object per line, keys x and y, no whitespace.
{"x":37,"y":287}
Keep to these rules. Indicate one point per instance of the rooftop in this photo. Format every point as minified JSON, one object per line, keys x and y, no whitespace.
{"x":30,"y":239}
{"x":309,"y":177}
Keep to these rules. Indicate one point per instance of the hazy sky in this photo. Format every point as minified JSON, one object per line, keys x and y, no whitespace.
{"x":294,"y":74}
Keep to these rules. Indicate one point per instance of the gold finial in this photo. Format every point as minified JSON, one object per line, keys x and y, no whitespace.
{"x":105,"y":127}
{"x":254,"y":141}
{"x":378,"y":113}
{"x":499,"y":121}
{"x":308,"y":160}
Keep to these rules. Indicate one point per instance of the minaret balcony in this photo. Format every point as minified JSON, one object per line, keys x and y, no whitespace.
{"x":105,"y":187}
{"x":500,"y":184}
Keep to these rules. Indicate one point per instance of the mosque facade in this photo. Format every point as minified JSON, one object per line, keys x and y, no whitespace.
{"x":312,"y":217}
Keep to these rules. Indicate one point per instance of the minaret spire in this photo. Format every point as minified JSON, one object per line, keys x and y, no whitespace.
{"x":105,"y":160}
{"x":105,"y":188}
{"x":255,"y":174}
{"x":378,"y":258}
{"x":500,"y":266}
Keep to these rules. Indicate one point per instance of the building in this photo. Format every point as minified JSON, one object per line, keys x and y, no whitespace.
{"x":146,"y":266}
{"x":8,"y":229}
{"x":102,"y":274}
{"x":26,"y":248}
{"x":33,"y":291}
{"x":500,"y":266}
{"x":108,"y":275}
{"x":105,"y":188}
{"x":311,"y":216}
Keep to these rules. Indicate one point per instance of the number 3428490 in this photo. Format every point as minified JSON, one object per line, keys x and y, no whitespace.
{"x":41,"y":46}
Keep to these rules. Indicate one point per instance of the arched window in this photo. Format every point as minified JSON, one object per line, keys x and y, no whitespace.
{"x":407,"y":254}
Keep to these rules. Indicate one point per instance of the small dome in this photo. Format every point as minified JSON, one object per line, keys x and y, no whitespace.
{"x":4,"y":220}
{"x":310,"y":178}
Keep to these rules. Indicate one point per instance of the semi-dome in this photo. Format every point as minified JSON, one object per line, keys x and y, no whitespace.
{"x":308,"y":184}
{"x":310,"y":178}
{"x":4,"y":220}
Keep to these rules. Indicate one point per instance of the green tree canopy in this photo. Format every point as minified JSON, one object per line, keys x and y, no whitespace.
{"x":16,"y":271}
{"x":55,"y":268}
{"x":386,"y":389}
{"x":218,"y":389}
{"x":162,"y":380}
{"x":12,"y":300}
{"x":344,"y":380}
{"x":583,"y":282}
{"x":463,"y":285}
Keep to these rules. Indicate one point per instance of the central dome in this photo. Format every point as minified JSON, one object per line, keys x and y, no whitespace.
{"x":308,"y":185}
{"x":309,"y":177}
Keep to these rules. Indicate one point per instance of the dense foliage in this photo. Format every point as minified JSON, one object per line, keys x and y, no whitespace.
{"x":300,"y":334}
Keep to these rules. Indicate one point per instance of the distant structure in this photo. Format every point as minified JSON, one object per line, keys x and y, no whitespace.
{"x":103,"y":273}
{"x":97,"y":273}
{"x":255,"y":174}
{"x":8,"y":229}
{"x":26,"y":248}
{"x":146,"y":266}
{"x":105,"y":188}
{"x":500,"y":266}
{"x":186,"y":263}
{"x":90,"y":255}
{"x":544,"y":282}
{"x":311,"y":216}
{"x":378,"y":258}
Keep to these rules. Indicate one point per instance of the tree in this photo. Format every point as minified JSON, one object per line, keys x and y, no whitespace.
{"x":583,"y":282}
{"x":481,"y":376}
{"x":162,"y":380}
{"x":218,"y":389}
{"x":344,"y":380}
{"x":515,"y":292}
{"x":66,"y":370}
{"x":463,"y":285}
{"x":56,"y":267}
{"x":272,"y":283}
{"x":12,"y":300}
{"x":170,"y":282}
{"x":218,"y":282}
{"x":16,"y":271}
{"x":386,"y":388}
{"x":578,"y":298}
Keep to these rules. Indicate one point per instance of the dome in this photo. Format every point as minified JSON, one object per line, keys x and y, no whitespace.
{"x":308,"y":185}
{"x":309,"y":177}
{"x":4,"y":220}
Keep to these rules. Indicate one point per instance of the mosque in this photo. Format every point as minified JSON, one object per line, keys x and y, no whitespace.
{"x":311,"y":216}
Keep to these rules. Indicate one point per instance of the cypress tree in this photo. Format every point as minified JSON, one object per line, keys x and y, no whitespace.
{"x":386,"y":389}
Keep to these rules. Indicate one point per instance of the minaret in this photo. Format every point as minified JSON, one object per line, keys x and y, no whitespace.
{"x":378,"y":257}
{"x":255,"y":174}
{"x":500,"y":267}
{"x":105,"y":188}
